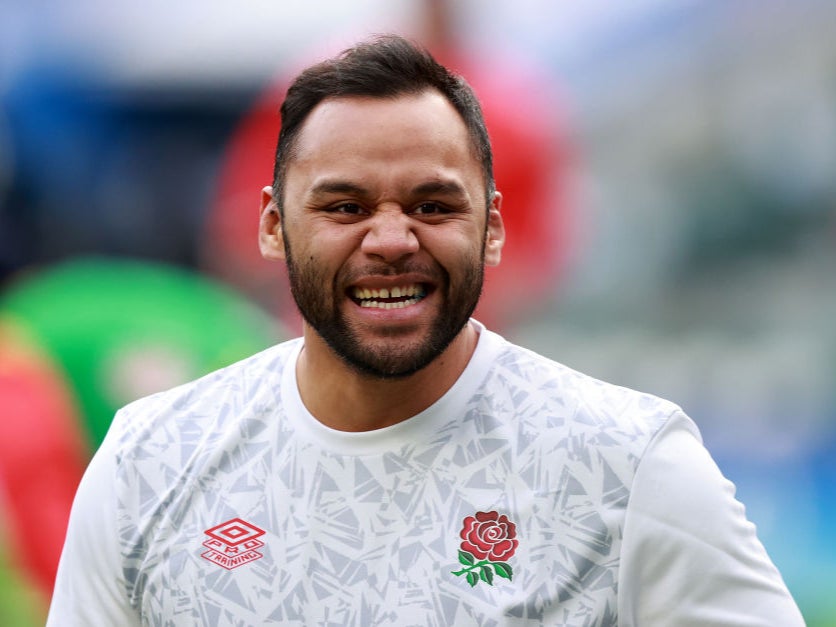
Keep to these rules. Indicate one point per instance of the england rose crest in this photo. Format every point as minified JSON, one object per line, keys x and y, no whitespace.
{"x":488,"y":540}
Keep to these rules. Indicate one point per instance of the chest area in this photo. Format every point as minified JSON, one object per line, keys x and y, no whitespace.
{"x":436,"y":537}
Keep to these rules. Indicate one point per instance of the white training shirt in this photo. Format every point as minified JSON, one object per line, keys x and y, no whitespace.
{"x":224,"y":502}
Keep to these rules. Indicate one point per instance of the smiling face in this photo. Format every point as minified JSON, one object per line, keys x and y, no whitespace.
{"x":385,"y":229}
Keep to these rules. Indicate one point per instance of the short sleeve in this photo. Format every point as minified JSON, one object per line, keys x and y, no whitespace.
{"x":689,"y":555}
{"x":90,"y":586}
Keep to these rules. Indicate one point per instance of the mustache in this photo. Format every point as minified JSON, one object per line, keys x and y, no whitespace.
{"x":431,"y":271}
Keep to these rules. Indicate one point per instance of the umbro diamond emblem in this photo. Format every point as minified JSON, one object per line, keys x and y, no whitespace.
{"x":233,"y":543}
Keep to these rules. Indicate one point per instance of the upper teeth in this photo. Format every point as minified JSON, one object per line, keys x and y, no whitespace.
{"x":378,"y":297}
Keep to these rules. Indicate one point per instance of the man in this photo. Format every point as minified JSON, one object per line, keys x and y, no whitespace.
{"x":400,"y":464}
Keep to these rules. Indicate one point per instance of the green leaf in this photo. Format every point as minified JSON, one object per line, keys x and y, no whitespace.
{"x":486,"y":574}
{"x":472,"y":578}
{"x":503,"y":570}
{"x":466,"y":558}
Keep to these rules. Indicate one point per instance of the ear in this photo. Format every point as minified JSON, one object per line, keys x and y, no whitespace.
{"x":495,"y":238}
{"x":270,"y":240}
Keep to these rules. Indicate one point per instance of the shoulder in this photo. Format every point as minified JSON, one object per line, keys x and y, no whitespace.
{"x":580,"y":400}
{"x":564,"y":424}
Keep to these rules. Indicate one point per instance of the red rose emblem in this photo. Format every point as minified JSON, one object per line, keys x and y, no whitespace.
{"x":487,"y":535}
{"x":488,"y":540}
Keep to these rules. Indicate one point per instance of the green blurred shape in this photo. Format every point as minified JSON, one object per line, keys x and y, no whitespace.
{"x":121,"y":329}
{"x":20,"y":604}
{"x":821,"y":613}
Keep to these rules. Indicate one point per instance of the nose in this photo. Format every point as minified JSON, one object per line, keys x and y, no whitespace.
{"x":390,"y":235}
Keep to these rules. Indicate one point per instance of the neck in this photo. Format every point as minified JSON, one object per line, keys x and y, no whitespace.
{"x":344,"y":399}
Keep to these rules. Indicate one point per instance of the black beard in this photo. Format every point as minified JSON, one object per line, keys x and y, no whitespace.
{"x":318,"y":303}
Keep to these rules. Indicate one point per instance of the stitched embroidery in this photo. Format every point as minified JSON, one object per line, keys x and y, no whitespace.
{"x":488,"y":539}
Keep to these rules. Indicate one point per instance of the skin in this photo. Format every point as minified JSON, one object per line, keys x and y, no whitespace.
{"x":383,"y":193}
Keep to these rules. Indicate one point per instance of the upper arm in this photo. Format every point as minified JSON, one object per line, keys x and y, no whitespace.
{"x":90,"y":586}
{"x":689,"y":555}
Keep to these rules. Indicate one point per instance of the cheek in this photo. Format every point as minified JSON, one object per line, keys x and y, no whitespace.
{"x":454,"y":247}
{"x":323,"y":248}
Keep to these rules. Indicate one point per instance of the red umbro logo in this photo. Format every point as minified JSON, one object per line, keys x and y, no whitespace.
{"x":233,"y":543}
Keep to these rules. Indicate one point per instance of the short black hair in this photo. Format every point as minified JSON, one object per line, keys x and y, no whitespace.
{"x":386,"y":66}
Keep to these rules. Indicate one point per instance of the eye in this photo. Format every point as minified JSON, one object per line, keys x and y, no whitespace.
{"x":347,"y":208}
{"x":429,"y":208}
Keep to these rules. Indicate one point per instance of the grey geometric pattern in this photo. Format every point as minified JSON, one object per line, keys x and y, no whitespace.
{"x":363,"y":529}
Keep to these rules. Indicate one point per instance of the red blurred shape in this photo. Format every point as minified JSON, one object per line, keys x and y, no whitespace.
{"x":42,"y":455}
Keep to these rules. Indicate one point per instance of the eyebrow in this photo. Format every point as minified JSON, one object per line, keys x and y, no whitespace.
{"x":447,"y":187}
{"x":338,"y":187}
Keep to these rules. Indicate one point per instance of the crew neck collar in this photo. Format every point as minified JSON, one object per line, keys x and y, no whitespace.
{"x":418,"y":428}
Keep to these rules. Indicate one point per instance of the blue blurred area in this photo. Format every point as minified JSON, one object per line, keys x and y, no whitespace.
{"x":793,"y":507}
{"x":108,"y":172}
{"x":703,"y":224}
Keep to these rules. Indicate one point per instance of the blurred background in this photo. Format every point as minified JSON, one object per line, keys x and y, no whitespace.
{"x":669,"y":172}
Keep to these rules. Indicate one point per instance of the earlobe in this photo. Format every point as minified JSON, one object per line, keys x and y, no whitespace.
{"x":270,"y":240}
{"x":495,"y":238}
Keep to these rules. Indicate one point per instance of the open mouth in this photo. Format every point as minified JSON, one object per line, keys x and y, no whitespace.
{"x":396,"y":297}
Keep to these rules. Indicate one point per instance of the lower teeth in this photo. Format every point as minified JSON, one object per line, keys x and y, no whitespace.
{"x":396,"y":305}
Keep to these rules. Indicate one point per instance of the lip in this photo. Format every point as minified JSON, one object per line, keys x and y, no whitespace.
{"x":388,"y":282}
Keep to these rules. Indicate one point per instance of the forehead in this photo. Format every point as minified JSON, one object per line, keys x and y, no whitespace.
{"x":348,"y":128}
